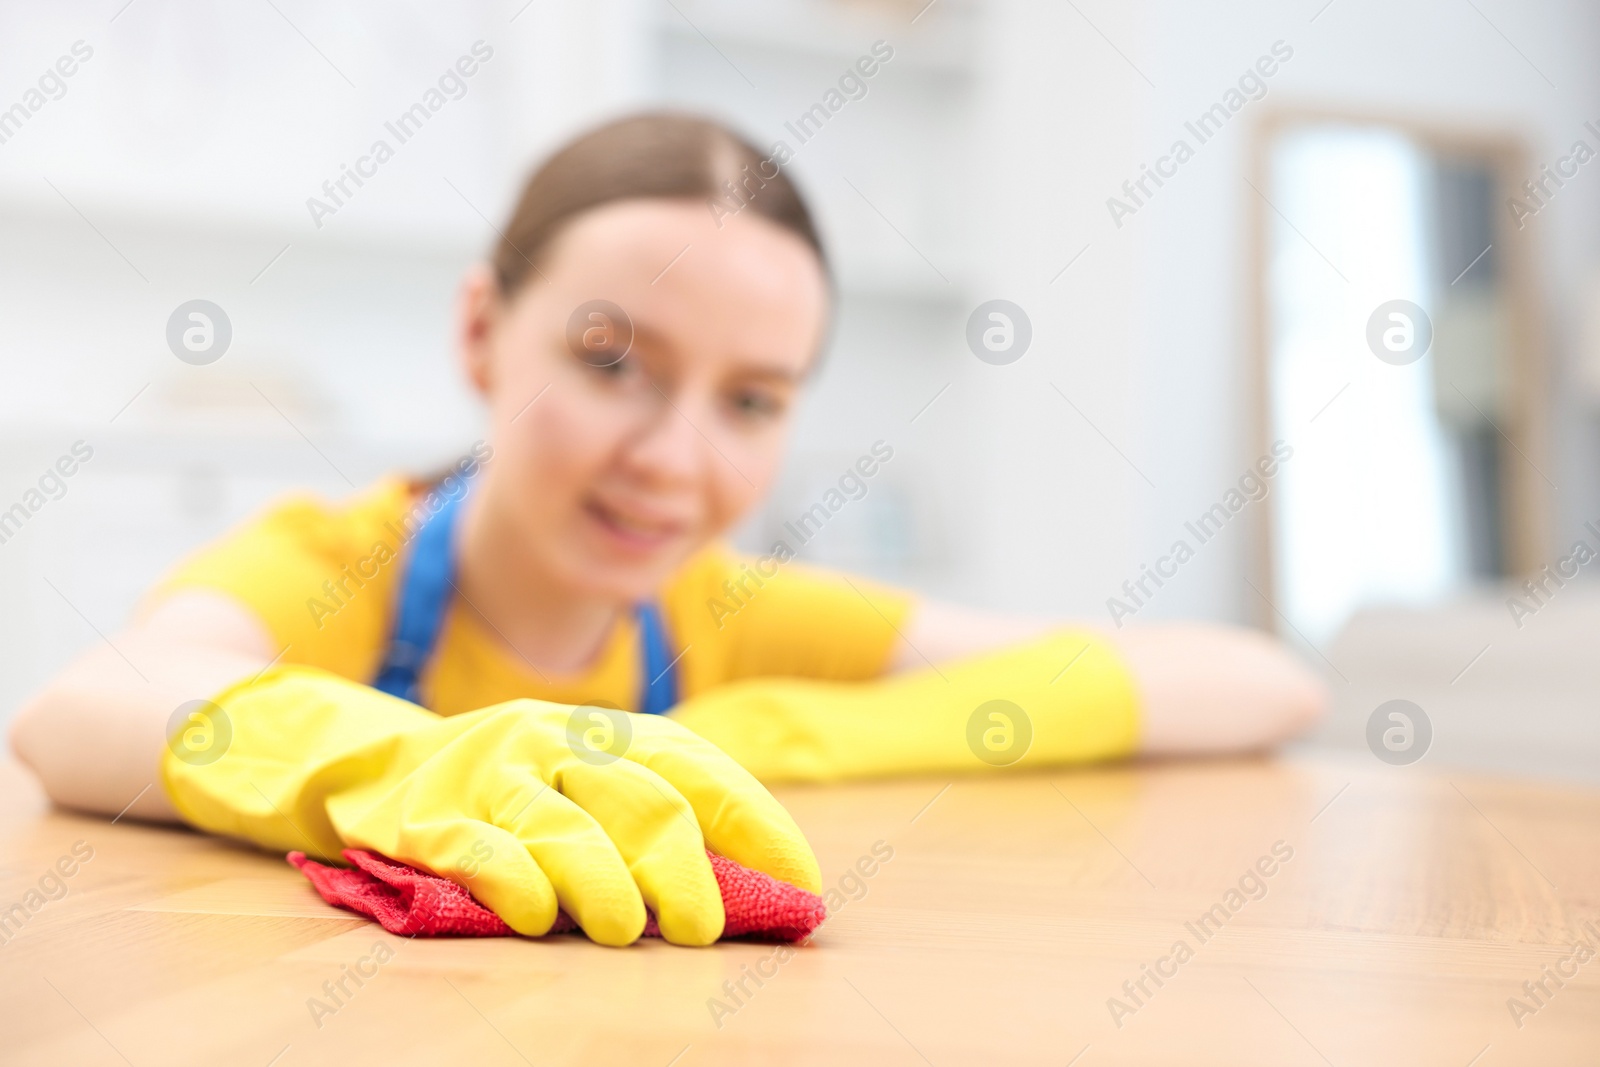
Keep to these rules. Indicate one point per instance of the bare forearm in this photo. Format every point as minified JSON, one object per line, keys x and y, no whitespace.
{"x":1203,"y":687}
{"x":1206,"y":688}
{"x":94,"y":735}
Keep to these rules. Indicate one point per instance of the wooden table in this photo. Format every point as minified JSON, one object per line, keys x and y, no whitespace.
{"x":1415,"y":904}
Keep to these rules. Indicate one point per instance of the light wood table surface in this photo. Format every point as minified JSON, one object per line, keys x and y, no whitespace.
{"x":1415,"y":904}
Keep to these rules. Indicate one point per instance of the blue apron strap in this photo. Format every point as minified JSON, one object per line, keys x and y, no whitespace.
{"x":424,"y":594}
{"x":660,"y":682}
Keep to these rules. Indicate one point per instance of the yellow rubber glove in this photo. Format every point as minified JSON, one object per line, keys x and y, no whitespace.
{"x":545,"y":805}
{"x":1067,"y":698}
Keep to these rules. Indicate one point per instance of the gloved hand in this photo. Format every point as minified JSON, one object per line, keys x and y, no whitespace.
{"x":303,"y":759}
{"x":1066,"y":698}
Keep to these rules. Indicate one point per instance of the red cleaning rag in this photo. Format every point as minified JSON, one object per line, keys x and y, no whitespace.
{"x":407,"y":901}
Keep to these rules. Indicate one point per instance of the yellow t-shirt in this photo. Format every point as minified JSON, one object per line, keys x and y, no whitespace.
{"x":325,"y":580}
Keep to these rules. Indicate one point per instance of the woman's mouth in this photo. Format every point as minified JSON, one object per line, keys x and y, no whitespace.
{"x":631,"y":530}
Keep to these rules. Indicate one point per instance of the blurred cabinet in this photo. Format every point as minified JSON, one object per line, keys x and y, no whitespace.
{"x":144,"y":499}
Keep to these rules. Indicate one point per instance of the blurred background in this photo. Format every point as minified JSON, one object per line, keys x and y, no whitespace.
{"x":1307,"y":287}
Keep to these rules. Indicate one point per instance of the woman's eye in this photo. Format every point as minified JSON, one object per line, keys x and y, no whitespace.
{"x":608,"y":366}
{"x":756,"y":405}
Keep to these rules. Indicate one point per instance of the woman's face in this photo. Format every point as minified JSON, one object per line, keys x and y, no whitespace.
{"x":616,"y":467}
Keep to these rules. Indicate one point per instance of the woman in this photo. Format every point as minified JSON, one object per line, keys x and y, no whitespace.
{"x":640,"y":338}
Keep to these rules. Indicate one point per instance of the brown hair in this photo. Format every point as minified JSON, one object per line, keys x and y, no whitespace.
{"x":663,"y":154}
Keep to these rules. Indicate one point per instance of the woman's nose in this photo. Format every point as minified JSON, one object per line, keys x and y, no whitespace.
{"x":670,"y":447}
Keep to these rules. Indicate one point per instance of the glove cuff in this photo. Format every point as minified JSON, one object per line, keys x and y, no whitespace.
{"x":259,"y":758}
{"x":1066,"y":698}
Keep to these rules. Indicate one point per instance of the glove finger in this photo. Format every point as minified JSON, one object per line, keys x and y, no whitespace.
{"x":588,"y":874}
{"x":491,"y":864}
{"x":737,"y":816}
{"x":654,"y":829}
